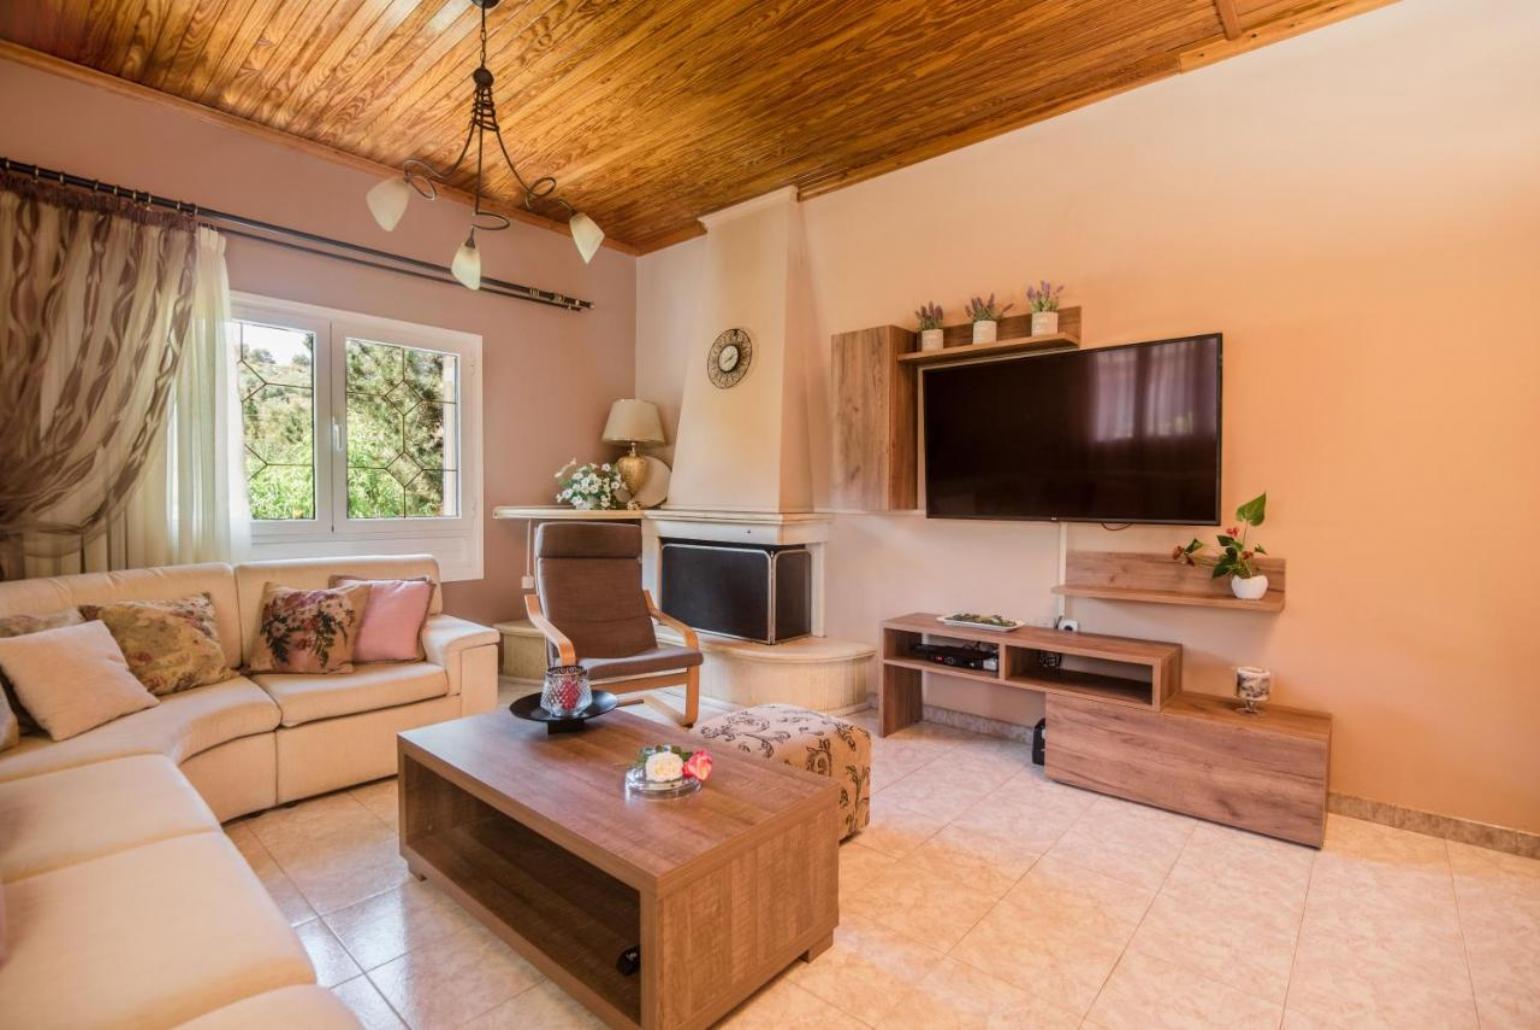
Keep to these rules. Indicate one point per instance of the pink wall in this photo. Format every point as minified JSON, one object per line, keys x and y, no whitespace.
{"x":1356,"y":210}
{"x":548,"y":375}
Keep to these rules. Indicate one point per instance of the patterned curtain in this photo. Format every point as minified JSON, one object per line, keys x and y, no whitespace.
{"x":96,"y":301}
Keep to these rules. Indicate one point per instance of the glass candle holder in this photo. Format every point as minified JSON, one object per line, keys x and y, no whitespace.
{"x":566,"y":690}
{"x":1253,"y":686}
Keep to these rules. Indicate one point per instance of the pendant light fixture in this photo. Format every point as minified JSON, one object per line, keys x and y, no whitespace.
{"x":388,"y":199}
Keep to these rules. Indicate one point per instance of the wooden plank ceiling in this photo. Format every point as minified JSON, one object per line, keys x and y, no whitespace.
{"x":654,"y":112}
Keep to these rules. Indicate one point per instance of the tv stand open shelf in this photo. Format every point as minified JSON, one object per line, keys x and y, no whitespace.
{"x":1133,"y":673}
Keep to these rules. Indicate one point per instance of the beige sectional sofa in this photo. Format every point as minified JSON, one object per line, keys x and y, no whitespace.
{"x":125,"y":904}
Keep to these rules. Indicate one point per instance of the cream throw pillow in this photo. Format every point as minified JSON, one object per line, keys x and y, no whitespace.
{"x":72,"y":679}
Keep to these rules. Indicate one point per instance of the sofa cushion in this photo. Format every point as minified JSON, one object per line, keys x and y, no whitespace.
{"x":392,"y":626}
{"x":316,"y":574}
{"x":183,"y":724}
{"x":152,"y":936}
{"x":170,"y":645}
{"x":304,"y":699}
{"x":53,"y":594}
{"x":73,"y":815}
{"x":72,"y":679}
{"x":308,"y":1007}
{"x":20,"y":625}
{"x":659,"y":659}
{"x":445,"y":639}
{"x":306,"y":631}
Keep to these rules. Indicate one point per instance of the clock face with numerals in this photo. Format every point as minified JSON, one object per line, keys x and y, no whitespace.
{"x":730,"y":357}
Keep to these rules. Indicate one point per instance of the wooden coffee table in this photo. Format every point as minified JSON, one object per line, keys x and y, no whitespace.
{"x":534,"y":835}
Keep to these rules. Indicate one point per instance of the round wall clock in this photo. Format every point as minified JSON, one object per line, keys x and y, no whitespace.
{"x":729,"y":359}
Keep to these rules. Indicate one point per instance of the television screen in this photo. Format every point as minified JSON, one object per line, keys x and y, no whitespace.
{"x":1109,"y":434}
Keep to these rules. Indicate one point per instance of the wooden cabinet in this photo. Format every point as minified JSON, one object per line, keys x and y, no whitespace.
{"x":1199,"y":755}
{"x":876,"y":465}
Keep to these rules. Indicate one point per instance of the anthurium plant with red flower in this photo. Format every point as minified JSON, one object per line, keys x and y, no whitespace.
{"x":1237,"y":555}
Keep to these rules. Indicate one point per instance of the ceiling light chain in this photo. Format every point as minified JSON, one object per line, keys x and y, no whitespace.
{"x":388,"y":199}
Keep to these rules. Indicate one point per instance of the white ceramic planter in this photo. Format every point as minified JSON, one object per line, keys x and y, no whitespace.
{"x":1252,"y":589}
{"x":930,"y":339}
{"x":1045,"y":323}
{"x":984,"y":332}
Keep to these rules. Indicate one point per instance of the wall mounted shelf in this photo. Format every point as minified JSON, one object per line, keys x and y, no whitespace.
{"x":1157,"y":579}
{"x":1000,"y":348}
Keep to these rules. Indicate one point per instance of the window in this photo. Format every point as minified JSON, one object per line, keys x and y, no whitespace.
{"x":361,"y":435}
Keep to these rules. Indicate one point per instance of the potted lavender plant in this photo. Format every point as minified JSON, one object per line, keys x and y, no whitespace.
{"x":931,"y":333}
{"x":985,"y":316}
{"x":1044,"y":301}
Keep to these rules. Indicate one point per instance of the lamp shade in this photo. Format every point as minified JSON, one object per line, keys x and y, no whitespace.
{"x":586,"y":234}
{"x":387,"y":201}
{"x":467,"y":264}
{"x":633,"y":421}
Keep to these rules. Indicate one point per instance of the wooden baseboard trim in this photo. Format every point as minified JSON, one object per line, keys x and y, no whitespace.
{"x":1464,"y":831}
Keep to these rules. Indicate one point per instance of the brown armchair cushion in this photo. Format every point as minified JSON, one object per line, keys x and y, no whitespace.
{"x":589,"y":576}
{"x":659,"y":659}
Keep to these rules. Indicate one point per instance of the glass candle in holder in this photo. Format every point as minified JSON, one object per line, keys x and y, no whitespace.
{"x":1253,"y":686}
{"x":566,"y":690}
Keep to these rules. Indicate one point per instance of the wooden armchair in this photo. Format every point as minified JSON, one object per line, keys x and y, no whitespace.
{"x":593,"y":612}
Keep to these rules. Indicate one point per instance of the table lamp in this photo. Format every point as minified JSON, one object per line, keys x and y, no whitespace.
{"x":634,"y":423}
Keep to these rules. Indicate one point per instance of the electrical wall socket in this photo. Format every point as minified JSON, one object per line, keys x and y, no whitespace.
{"x":1068,"y":625}
{"x":528,"y":582}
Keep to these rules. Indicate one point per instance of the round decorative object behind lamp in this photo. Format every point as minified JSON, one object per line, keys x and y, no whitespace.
{"x":633,"y":422}
{"x":730,"y":358}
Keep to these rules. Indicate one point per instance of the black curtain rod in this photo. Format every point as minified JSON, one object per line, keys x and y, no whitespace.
{"x":418,"y":268}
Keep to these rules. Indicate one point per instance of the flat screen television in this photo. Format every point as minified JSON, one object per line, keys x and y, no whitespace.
{"x":1108,"y":434}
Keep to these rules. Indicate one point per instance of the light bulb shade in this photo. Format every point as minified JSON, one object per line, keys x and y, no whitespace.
{"x":467,"y":265}
{"x":387,"y":201}
{"x":633,"y":421}
{"x":586,"y":234}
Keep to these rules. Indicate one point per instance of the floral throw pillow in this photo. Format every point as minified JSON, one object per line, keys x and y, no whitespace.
{"x":308,"y":631}
{"x":170,"y":645}
{"x":21,"y":625}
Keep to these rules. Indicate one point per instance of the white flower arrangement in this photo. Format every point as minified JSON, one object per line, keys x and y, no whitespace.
{"x":591,"y":487}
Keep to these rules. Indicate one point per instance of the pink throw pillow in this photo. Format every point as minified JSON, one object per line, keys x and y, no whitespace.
{"x":392,"y":626}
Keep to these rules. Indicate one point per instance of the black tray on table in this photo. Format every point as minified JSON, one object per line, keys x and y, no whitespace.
{"x":528,"y":707}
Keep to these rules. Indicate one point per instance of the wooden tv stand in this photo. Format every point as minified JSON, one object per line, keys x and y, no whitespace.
{"x":1128,"y":730}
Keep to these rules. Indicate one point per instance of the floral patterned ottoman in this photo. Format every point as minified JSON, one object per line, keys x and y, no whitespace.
{"x":808,"y":740}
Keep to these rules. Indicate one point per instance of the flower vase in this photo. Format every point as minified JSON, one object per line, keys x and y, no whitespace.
{"x":1249,"y":588}
{"x":931,"y":339}
{"x":985,"y":331}
{"x":1045,"y":323}
{"x":566,"y":690}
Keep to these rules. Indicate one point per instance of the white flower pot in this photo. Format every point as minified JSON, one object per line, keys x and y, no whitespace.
{"x":1045,"y":323}
{"x":1249,"y":589}
{"x":930,"y":339}
{"x":984,"y":332}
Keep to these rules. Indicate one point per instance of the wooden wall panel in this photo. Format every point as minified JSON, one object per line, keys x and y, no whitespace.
{"x":876,"y":460}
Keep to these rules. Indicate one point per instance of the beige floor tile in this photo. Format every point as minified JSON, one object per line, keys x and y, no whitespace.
{"x":939,"y":789}
{"x":859,"y":864}
{"x":333,"y":964}
{"x":453,"y":980}
{"x":544,"y":1006}
{"x":1148,"y":992}
{"x":337,"y":879}
{"x":1129,"y":842}
{"x":896,"y":829}
{"x":1029,"y":822}
{"x":866,"y":969}
{"x":983,"y":861}
{"x":381,"y":798}
{"x":1047,"y":953}
{"x":782,"y":1005}
{"x":958,"y":997}
{"x":934,"y":910}
{"x":1055,"y":889}
{"x":391,"y":924}
{"x":279,"y":887}
{"x":1499,"y":908}
{"x":371,"y":1008}
{"x":1347,"y":979}
{"x":1257,"y":866}
{"x":1229,"y":937}
{"x":313,"y":821}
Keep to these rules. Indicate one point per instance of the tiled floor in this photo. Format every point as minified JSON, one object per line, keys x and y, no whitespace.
{"x":984,"y":895}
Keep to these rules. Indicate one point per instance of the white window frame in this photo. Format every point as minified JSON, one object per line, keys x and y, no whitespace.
{"x":457,"y":542}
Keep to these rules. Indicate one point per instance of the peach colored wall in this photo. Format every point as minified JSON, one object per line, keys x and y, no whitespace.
{"x":548,"y":375}
{"x":1357,"y":211}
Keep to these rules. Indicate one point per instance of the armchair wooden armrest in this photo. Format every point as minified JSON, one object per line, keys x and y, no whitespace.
{"x":564,"y":648}
{"x":691,"y":640}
